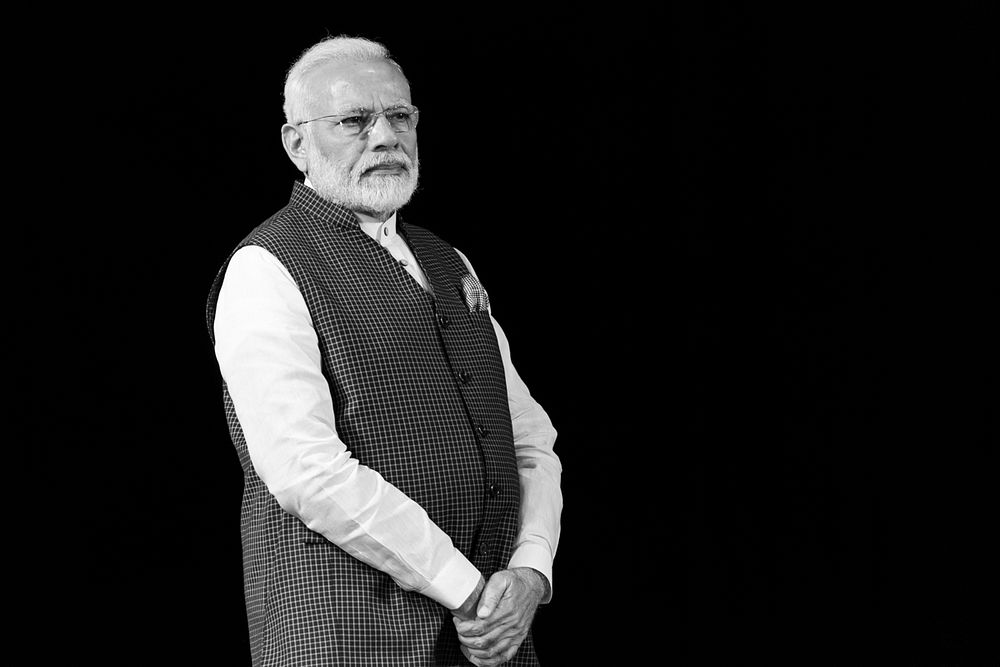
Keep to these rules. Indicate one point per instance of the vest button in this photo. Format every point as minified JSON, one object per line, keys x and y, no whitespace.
{"x":464,"y":377}
{"x":444,"y":320}
{"x":493,"y":490}
{"x":482,"y":430}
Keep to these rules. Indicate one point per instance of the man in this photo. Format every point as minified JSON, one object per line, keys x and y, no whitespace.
{"x":401,"y":499}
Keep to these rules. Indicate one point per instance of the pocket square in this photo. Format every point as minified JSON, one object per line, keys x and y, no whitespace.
{"x":476,"y":297}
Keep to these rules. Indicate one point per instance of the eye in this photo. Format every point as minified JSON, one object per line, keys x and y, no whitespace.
{"x":399,"y":117}
{"x":353,"y":122}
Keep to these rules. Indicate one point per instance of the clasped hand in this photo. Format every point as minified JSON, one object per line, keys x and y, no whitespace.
{"x":497,"y":616}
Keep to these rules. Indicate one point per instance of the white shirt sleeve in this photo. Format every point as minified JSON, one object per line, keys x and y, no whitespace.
{"x":538,"y":467}
{"x":269,"y":357}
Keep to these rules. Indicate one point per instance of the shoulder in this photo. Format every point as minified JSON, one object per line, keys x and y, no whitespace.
{"x":286,"y":226}
{"x":254,"y":259}
{"x":465,"y":260}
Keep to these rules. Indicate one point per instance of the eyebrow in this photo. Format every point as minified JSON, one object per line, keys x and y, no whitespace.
{"x":362,"y":110}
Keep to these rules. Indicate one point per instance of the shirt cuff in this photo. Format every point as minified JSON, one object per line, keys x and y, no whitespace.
{"x":536,"y":557}
{"x":454,"y":583}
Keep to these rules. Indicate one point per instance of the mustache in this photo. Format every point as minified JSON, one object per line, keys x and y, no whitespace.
{"x":376,"y":160}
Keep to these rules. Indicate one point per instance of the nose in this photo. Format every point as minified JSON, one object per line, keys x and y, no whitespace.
{"x":381,"y":136}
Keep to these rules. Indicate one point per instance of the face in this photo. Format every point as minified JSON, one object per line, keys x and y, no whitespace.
{"x":374,"y":172}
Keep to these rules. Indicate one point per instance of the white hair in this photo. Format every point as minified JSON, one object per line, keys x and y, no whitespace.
{"x":331,"y":49}
{"x":354,"y":188}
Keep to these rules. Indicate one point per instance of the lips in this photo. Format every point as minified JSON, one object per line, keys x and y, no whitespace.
{"x":386,"y":168}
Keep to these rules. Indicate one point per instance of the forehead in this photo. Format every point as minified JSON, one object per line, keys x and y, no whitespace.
{"x":345,"y":85}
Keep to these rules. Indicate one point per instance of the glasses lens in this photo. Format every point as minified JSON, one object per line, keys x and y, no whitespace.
{"x":401,"y":120}
{"x":354,"y":124}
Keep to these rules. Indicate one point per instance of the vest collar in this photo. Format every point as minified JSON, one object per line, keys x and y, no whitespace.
{"x":306,"y":198}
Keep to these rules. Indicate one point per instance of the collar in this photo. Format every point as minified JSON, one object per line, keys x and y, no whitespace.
{"x":383,"y":232}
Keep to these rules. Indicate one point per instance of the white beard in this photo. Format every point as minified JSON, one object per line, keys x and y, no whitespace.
{"x":374,"y":194}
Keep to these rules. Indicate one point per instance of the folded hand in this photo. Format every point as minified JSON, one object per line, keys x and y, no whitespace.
{"x":506,"y":609}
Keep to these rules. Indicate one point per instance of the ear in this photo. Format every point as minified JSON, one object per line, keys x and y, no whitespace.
{"x":294,"y":141}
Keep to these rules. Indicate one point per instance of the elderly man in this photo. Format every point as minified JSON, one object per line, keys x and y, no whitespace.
{"x":401,"y":500}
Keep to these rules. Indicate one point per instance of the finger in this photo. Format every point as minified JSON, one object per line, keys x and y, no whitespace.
{"x":476,"y":628}
{"x":498,"y":659}
{"x":469,"y":628}
{"x":494,"y":662}
{"x":489,"y":662}
{"x":498,"y":622}
{"x":481,"y":658}
{"x":468,"y":656}
{"x":511,"y":652}
{"x":473,"y":659}
{"x":485,"y":633}
{"x":495,"y":589}
{"x":493,"y":646}
{"x":488,"y":640}
{"x":480,"y":662}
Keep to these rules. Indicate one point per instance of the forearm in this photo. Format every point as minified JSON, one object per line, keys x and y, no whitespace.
{"x":540,"y":473}
{"x":541,"y":508}
{"x":353,"y":507}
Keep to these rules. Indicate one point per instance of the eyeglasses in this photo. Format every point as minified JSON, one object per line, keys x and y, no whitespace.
{"x":401,"y":119}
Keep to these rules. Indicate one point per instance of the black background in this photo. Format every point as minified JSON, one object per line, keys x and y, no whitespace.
{"x":740,"y":258}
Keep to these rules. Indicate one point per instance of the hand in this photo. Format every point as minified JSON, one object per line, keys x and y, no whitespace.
{"x":506,"y":610}
{"x":467,"y":612}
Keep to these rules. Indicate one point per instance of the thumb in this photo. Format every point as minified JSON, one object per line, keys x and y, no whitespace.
{"x":494,"y":591}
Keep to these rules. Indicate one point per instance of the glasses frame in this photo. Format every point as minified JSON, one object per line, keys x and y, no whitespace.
{"x":412,"y":110}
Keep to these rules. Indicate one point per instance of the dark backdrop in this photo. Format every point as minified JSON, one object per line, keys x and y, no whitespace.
{"x":762,"y":343}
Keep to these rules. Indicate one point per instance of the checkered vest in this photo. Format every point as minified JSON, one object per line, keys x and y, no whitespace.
{"x":419,"y":394}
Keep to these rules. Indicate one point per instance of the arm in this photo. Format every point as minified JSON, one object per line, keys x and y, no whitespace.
{"x":539,"y":470}
{"x":269,"y":357}
{"x":509,"y":601}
